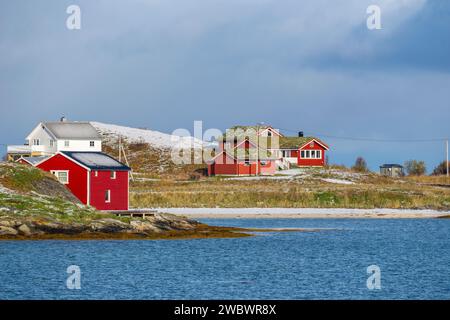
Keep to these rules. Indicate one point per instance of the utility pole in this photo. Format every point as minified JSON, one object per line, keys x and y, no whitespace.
{"x":258,"y":125}
{"x":120,"y":149}
{"x":446,"y":143}
{"x":257,"y":149}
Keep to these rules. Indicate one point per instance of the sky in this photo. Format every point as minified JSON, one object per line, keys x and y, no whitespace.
{"x":300,"y":65}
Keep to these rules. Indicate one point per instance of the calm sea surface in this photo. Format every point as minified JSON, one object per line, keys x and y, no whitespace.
{"x":413,"y":256}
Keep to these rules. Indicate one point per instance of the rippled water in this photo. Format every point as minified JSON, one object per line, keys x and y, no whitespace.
{"x":414,"y":257}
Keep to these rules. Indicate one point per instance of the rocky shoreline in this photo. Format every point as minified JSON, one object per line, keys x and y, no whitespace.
{"x":158,"y":226}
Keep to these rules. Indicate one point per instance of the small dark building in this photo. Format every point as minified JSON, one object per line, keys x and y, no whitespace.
{"x":392,"y":170}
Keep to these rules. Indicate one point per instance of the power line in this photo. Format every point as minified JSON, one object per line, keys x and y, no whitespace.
{"x":366,"y":139}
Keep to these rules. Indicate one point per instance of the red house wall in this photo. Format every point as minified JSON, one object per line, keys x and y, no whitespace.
{"x":224,"y":165}
{"x":21,"y":161}
{"x":118,"y":190}
{"x":311,"y":162}
{"x":77,"y":174}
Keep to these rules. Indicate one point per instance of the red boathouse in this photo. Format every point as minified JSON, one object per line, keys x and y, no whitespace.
{"x":95,"y":178}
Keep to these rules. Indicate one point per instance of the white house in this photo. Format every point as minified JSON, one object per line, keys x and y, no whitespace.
{"x":48,"y":138}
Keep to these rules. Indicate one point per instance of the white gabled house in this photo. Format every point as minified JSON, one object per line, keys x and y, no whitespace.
{"x":48,"y":138}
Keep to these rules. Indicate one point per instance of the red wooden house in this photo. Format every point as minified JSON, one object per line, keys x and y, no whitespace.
{"x":276,"y":152}
{"x":243,"y":158}
{"x":226,"y":163}
{"x":303,"y":151}
{"x":95,"y":178}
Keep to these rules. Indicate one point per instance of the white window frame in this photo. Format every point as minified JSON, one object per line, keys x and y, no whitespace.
{"x":56,"y":174}
{"x":307,"y":154}
{"x":107,"y":196}
{"x":36,"y":142}
{"x":113,"y":175}
{"x":287,"y":153}
{"x":52,"y":143}
{"x":96,"y":173}
{"x":66,"y":143}
{"x":92,"y":144}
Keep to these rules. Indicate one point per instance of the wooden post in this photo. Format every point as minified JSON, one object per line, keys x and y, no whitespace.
{"x":447,"y":157}
{"x":257,"y":150}
{"x":120,"y":149}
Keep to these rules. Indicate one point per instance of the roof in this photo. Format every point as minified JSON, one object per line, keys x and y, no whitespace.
{"x":96,"y":160}
{"x":255,"y":127}
{"x":247,"y":154}
{"x":72,"y":130}
{"x":239,"y":131}
{"x":19,"y":149}
{"x":34,"y":160}
{"x":391,"y":165}
{"x":297,"y":142}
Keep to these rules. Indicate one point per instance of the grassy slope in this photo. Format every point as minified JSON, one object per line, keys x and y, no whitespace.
{"x":306,"y":190}
{"x":28,"y":191}
{"x":175,"y":187}
{"x":29,"y":196}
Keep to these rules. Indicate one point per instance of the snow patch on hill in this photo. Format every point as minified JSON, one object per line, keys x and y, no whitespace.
{"x":155,"y":138}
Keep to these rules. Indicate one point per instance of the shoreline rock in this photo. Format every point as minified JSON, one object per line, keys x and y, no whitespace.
{"x":162,"y":226}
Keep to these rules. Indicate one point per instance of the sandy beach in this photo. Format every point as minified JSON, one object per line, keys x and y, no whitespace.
{"x":302,"y":213}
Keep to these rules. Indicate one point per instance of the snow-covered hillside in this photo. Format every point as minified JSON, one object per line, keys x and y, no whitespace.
{"x":155,"y":138}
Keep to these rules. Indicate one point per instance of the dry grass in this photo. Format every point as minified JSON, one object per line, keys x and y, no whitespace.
{"x":442,"y":179}
{"x":371,"y":191}
{"x":152,"y":163}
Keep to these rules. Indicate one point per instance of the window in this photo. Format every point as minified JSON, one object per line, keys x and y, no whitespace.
{"x":66,"y":143}
{"x":92,"y":144}
{"x":36,"y":142}
{"x":311,"y":154}
{"x":108,"y":196}
{"x":263,"y":163}
{"x":286,"y":153}
{"x":247,"y":162}
{"x":113,"y":174}
{"x":62,"y":176}
{"x":269,"y":133}
{"x":52,"y":143}
{"x":96,"y":173}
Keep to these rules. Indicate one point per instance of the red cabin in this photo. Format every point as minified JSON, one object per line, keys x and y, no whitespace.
{"x":242,"y":159}
{"x":303,"y":151}
{"x":276,"y":152}
{"x":95,"y":178}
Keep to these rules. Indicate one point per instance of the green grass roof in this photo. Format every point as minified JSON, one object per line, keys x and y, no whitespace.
{"x":295,"y":142}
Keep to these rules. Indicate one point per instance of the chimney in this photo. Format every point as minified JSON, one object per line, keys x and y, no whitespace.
{"x":63,"y":119}
{"x":300,"y":134}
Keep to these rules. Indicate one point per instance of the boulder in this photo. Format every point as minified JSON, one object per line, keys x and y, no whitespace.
{"x":144,"y":226}
{"x":108,"y":225}
{"x":7,"y":231}
{"x":24,"y":229}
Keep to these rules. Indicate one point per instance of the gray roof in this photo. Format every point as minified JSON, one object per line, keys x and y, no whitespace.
{"x":34,"y":160}
{"x":96,"y":160}
{"x":391,"y":165}
{"x":72,"y":130}
{"x":20,"y":149}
